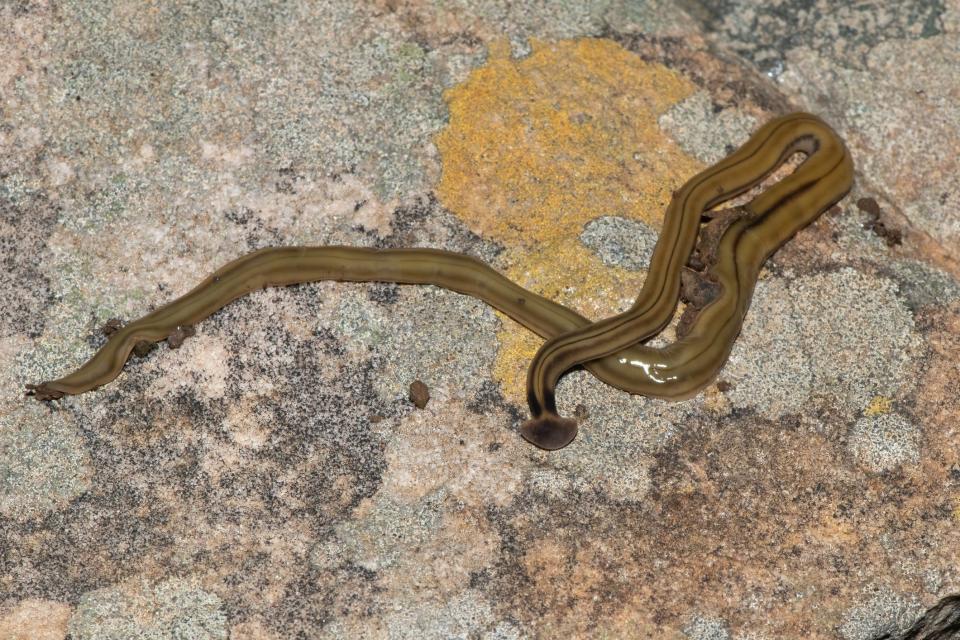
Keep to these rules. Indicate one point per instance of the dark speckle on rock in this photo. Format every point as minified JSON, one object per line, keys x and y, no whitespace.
{"x":765,"y":33}
{"x":581,"y":412}
{"x":489,"y":397}
{"x":955,"y":474}
{"x":384,"y":293}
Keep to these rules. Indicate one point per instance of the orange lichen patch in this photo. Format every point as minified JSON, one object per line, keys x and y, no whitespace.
{"x":517,"y":348}
{"x":538,"y":147}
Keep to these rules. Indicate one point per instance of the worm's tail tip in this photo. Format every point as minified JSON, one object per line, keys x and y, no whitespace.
{"x":549,"y":431}
{"x":44,"y":391}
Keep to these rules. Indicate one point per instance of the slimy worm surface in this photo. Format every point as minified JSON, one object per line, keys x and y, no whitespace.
{"x":731,"y":250}
{"x":729,"y":263}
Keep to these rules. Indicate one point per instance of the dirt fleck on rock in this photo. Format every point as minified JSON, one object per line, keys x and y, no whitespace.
{"x":419,"y":394}
{"x":869,"y":206}
{"x":893,"y":237}
{"x":111,"y":326}
{"x":581,"y":412}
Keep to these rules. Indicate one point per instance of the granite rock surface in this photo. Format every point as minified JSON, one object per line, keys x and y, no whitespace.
{"x":271,"y":477}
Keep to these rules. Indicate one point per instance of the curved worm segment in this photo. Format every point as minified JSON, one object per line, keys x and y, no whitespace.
{"x":612,"y":349}
{"x":736,"y":245}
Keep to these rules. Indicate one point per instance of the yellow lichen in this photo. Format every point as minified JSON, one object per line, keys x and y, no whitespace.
{"x":538,"y":147}
{"x":878,"y":406}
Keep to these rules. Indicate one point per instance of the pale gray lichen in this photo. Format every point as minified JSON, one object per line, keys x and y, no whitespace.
{"x":539,"y":18}
{"x":378,"y":540}
{"x":457,"y":618}
{"x":915,"y":164}
{"x":429,"y":334}
{"x":884,"y":613}
{"x":842,"y":337}
{"x":620,"y":242}
{"x":702,"y":131}
{"x":765,"y":32}
{"x":922,"y":284}
{"x":884,"y":442}
{"x":614,"y":447}
{"x":503,"y":631}
{"x":653,"y":17}
{"x":174,"y":608}
{"x":311,"y":88}
{"x":769,"y":367}
{"x":43,"y":462}
{"x":706,"y":628}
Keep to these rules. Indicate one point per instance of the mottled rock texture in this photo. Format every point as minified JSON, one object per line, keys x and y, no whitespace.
{"x":271,"y":477}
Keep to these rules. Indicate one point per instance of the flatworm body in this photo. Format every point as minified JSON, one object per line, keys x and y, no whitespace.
{"x":610,"y":348}
{"x":681,"y":369}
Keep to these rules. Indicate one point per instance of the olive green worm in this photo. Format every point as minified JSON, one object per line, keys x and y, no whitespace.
{"x":610,"y":348}
{"x":681,"y":369}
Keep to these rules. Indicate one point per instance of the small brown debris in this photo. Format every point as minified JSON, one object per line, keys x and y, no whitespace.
{"x":894,"y":237}
{"x":705,"y":253}
{"x":580,"y":412}
{"x":869,"y":206}
{"x":723,"y":386}
{"x":375,"y":418}
{"x":696,"y":262}
{"x":111,"y":326}
{"x":179,"y":335}
{"x":697,"y":289}
{"x":419,"y":394}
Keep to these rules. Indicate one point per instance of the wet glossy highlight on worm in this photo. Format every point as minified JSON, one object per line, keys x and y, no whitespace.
{"x":608,"y":349}
{"x":680,"y":370}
